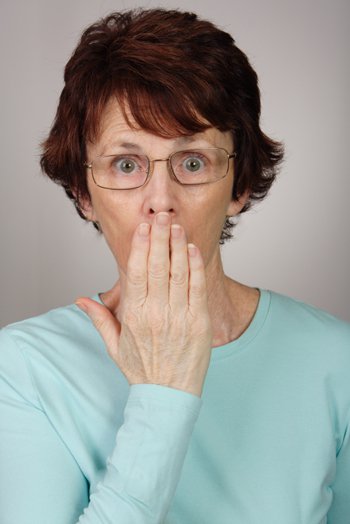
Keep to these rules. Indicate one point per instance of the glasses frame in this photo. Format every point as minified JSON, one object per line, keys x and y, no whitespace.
{"x":89,"y":165}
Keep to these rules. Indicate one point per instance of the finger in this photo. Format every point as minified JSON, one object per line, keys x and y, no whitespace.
{"x":179,"y":268}
{"x":104,"y":321}
{"x":136,"y":274}
{"x":158,"y":262}
{"x":197,"y":296}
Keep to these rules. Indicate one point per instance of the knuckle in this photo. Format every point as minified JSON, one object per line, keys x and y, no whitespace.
{"x":136,"y":276}
{"x":179,"y":277}
{"x":197,"y":290}
{"x":100,"y":324}
{"x":158,"y":270}
{"x":157,"y":319}
{"x":203,"y":327}
{"x":156,"y":324}
{"x":129,"y":317}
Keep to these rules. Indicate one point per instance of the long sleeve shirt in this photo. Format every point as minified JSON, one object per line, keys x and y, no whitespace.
{"x":268,"y":441}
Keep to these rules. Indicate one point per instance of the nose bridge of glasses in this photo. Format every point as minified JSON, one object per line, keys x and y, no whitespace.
{"x":152,"y":160}
{"x":167,"y":160}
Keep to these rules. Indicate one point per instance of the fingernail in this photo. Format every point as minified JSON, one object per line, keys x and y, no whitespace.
{"x":144,"y":230}
{"x":81,"y":306}
{"x":192,"y":250}
{"x":176,"y":230}
{"x":163,"y":219}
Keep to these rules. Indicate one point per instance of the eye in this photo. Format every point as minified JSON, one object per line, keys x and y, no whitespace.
{"x":127,"y":165}
{"x":188,"y":165}
{"x":193,"y":164}
{"x":190,"y":162}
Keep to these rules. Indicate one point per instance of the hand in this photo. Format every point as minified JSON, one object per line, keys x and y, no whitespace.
{"x":165,"y":333}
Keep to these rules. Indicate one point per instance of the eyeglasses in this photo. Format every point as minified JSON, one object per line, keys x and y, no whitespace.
{"x":130,"y":171}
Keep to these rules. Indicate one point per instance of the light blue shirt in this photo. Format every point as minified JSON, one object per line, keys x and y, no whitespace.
{"x":267,"y":443}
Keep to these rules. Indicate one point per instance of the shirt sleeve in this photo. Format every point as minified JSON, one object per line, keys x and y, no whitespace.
{"x":40,"y":480}
{"x":340,"y":508}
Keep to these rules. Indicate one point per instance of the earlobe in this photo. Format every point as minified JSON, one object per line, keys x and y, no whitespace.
{"x":88,"y":211}
{"x":85,"y":207}
{"x":236,"y":206}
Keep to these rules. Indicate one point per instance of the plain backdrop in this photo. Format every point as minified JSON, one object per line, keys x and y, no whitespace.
{"x":296,"y":242}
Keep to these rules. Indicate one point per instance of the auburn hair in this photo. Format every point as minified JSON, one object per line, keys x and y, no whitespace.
{"x":176,"y":73}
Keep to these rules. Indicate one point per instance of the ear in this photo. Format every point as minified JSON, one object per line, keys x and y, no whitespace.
{"x":236,"y":206}
{"x":86,"y":207}
{"x":88,"y":210}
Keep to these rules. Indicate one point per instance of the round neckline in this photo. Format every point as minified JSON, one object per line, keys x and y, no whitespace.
{"x":247,"y":336}
{"x":250,"y":333}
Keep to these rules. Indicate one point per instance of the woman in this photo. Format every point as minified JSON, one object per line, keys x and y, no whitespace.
{"x":180,"y":395}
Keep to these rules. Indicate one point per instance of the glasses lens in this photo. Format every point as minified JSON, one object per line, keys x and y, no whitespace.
{"x":199,"y":166}
{"x":129,"y":171}
{"x":120,"y":171}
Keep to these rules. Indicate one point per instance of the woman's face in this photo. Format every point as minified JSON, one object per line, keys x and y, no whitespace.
{"x":201,"y":210}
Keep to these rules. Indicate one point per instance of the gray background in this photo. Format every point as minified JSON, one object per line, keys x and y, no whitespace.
{"x":296,"y":242}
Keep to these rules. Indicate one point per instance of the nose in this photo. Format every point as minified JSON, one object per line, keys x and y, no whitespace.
{"x":160,"y":190}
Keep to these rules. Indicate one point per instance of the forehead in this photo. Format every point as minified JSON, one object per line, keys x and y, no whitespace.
{"x":114,"y":128}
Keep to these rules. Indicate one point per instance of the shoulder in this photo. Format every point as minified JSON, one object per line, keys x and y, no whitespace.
{"x":307,"y":325}
{"x":47,"y":327}
{"x":293,"y":310}
{"x":58,"y":362}
{"x":59,"y":340}
{"x":50,"y":332}
{"x":62,"y":321}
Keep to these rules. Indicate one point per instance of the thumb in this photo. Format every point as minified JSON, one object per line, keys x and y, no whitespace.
{"x":104,"y":321}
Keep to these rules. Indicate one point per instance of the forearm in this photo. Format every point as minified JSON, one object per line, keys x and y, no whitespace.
{"x":144,"y":469}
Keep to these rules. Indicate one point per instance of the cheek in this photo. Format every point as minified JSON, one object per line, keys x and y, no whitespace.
{"x":207,"y":226}
{"x":115,"y":218}
{"x":110,"y":210}
{"x":118,"y":237}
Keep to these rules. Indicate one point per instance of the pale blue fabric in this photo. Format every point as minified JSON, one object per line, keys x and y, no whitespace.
{"x":267,"y":443}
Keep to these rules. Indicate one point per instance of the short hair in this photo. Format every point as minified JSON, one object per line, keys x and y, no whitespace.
{"x":176,"y":72}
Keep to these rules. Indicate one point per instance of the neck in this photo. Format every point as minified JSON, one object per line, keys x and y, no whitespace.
{"x":231,"y":305}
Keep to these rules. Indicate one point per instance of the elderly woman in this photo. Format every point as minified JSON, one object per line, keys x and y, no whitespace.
{"x":179,"y":396}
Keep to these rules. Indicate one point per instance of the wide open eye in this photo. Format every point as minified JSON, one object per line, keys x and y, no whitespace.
{"x":190,"y":163}
{"x":121,"y":171}
{"x":125,"y":165}
{"x":193,"y":164}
